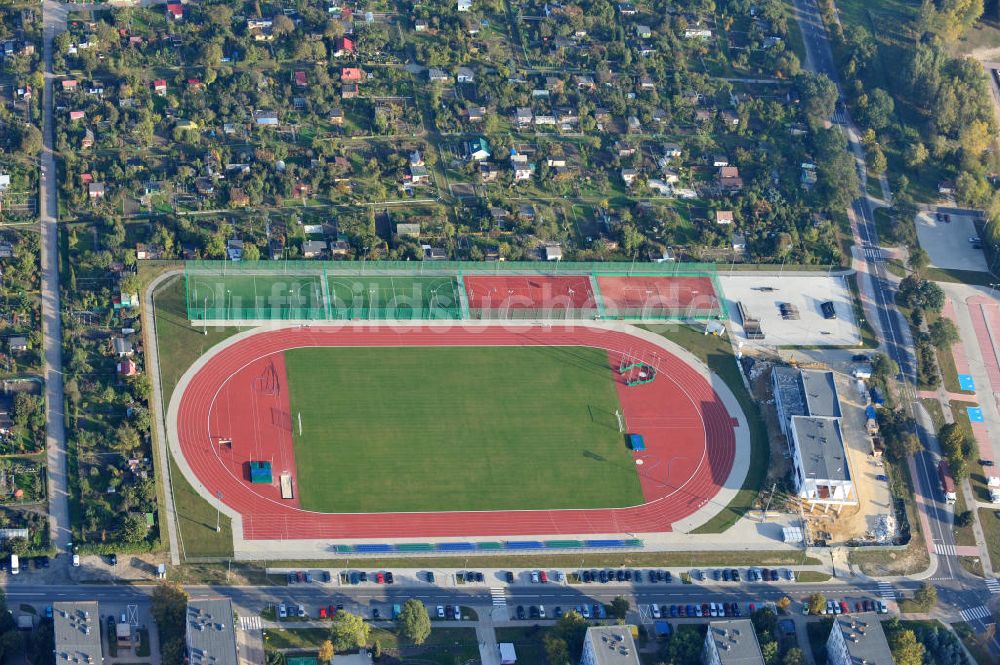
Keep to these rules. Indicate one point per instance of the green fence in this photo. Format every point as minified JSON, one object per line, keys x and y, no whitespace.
{"x":411,"y":291}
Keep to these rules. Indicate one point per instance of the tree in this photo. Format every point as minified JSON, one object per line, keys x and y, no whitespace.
{"x":817,"y":603}
{"x":348,"y":631}
{"x":282,"y":25}
{"x":963,"y":519}
{"x":556,"y":650}
{"x":414,"y":622}
{"x":943,"y":333}
{"x":377,"y":649}
{"x":918,"y":260}
{"x":906,"y":650}
{"x":784,"y":602}
{"x":925,"y":596}
{"x":134,"y":528}
{"x":570,"y":629}
{"x":31,"y":141}
{"x":794,"y":656}
{"x":619,"y":608}
{"x":916,"y":154}
{"x":251,"y":252}
{"x":769,"y":650}
{"x":325,"y":654}
{"x":168,"y":607}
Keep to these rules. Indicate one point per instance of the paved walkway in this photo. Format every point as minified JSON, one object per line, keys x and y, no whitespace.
{"x":159,"y":408}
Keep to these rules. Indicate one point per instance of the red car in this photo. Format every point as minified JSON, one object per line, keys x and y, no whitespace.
{"x":542,"y":576}
{"x":322,"y":613}
{"x":379,"y":578}
{"x":844,"y":607}
{"x":331,"y":611}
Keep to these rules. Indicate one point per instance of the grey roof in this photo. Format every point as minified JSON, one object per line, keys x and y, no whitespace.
{"x":821,"y":446}
{"x":865,"y":638}
{"x":792,"y":397}
{"x":735,"y":642}
{"x":210,"y":635}
{"x":613,"y":645}
{"x":821,"y":393}
{"x":77,"y":632}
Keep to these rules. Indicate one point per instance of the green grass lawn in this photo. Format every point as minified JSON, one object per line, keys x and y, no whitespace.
{"x":991,"y":531}
{"x":393,"y":297}
{"x":480,"y":428}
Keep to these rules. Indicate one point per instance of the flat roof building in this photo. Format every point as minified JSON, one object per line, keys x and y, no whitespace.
{"x":77,"y":628}
{"x":211,"y":639}
{"x":609,"y":645}
{"x":858,"y":638}
{"x":732,"y":643}
{"x":804,"y":392}
{"x":822,"y":472}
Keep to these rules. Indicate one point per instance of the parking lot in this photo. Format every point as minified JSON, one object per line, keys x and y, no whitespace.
{"x":947,"y":242}
{"x":801,"y":295}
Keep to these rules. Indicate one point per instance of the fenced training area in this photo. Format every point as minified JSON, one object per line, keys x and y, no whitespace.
{"x":391,"y":298}
{"x":450,"y":290}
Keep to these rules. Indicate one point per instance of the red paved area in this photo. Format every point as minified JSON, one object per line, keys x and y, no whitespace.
{"x":675,"y":295}
{"x":689,"y":435}
{"x":985,"y":315}
{"x":509,"y":292}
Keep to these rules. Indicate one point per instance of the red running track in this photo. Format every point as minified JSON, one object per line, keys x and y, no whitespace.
{"x":689,"y":436}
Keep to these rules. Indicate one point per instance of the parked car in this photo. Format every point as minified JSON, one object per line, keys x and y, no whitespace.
{"x":534,"y":577}
{"x":282,"y":612}
{"x":541,"y":611}
{"x":322,"y":613}
{"x":584,"y":611}
{"x":379,"y":578}
{"x":440,"y":611}
{"x":520,"y":612}
{"x":557,"y":613}
{"x":585,"y":576}
{"x":430,"y":577}
{"x":656,"y":611}
{"x":376,"y":615}
{"x":986,"y":462}
{"x":543,"y":577}
{"x":388,"y":578}
{"x":325,"y":575}
{"x":509,"y":576}
{"x":302,"y":611}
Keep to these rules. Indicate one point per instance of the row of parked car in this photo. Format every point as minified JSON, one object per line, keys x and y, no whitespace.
{"x":596,"y":611}
{"x":752,"y":574}
{"x":843,"y":607}
{"x":624,"y":575}
{"x":305,"y":577}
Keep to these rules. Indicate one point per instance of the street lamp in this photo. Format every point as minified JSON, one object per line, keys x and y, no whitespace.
{"x":205,"y":318}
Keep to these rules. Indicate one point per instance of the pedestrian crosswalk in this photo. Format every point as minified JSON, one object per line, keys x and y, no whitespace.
{"x":886,"y":591}
{"x":993,"y":585}
{"x":499,"y":595}
{"x":980,"y":612}
{"x":874,"y":253}
{"x":251,"y":623}
{"x":948,"y":550}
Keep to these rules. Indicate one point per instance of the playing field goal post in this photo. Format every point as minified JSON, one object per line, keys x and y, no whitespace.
{"x":223,"y":291}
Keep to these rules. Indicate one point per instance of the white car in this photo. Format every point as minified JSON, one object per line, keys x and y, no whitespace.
{"x":656,"y":610}
{"x":76,"y":560}
{"x":440,"y":611}
{"x":282,"y":611}
{"x":541,"y":611}
{"x":584,"y":611}
{"x":534,"y":577}
{"x":302,"y":610}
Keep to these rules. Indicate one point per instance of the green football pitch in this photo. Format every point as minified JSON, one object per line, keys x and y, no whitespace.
{"x":372,"y":297}
{"x":253,"y":296}
{"x":457,"y":428}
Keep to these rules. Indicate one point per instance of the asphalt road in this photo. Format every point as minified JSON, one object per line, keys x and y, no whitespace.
{"x":54,"y":20}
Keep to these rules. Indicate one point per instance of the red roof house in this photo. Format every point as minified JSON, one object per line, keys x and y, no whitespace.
{"x":351,"y":75}
{"x":160,"y":86}
{"x":300,"y":79}
{"x":76,"y":115}
{"x":175,"y":10}
{"x":343,"y":46}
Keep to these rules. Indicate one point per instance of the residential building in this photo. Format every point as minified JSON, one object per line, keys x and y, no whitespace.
{"x":312,"y":249}
{"x":175,"y":10}
{"x":609,"y":645}
{"x":336,"y":116}
{"x":729,"y":178}
{"x":731,"y":642}
{"x":465,"y":75}
{"x":77,"y":628}
{"x":343,"y":46}
{"x":723,"y":216}
{"x":477,"y":114}
{"x":349,"y":91}
{"x":858,"y":638}
{"x":95,"y":190}
{"x":211,"y":638}
{"x":266,"y":118}
{"x":160,"y":86}
{"x":629,"y":176}
{"x":436,"y":75}
{"x":553,"y":253}
{"x":464,"y":5}
{"x":351,"y":75}
{"x":477,"y":149}
{"x":17,"y":343}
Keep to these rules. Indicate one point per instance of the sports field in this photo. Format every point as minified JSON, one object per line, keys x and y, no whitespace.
{"x":363,"y":297}
{"x":252,"y":296}
{"x":457,"y":428}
